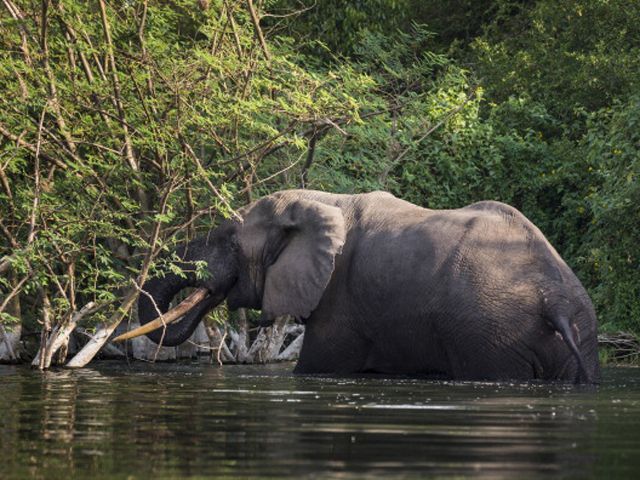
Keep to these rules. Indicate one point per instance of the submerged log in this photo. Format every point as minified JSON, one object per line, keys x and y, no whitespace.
{"x":108,"y":350}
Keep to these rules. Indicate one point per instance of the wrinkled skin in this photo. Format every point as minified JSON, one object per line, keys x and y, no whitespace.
{"x":386,"y":286}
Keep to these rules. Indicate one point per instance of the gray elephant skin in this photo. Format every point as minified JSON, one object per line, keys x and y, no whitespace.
{"x":385,"y":286}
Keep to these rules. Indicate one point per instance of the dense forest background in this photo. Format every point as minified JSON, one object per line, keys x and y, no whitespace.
{"x":128,"y":126}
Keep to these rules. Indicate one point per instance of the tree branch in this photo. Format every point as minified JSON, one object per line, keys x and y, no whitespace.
{"x":256,"y":25}
{"x":383,"y":176}
{"x":211,"y":186}
{"x":129,"y":155}
{"x":307,"y":164}
{"x":31,"y":148}
{"x":60,"y":335}
{"x":85,"y":355}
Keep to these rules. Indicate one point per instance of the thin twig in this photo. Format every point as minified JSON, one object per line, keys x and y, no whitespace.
{"x":14,"y":292}
{"x":160,"y":316}
{"x":256,"y":25}
{"x":307,"y":164}
{"x":279,"y":172}
{"x":211,"y":186}
{"x":36,"y":181}
{"x":443,"y":120}
{"x":220,"y":348}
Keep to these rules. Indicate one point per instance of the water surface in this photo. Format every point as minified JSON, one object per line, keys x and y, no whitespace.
{"x":201,"y":421}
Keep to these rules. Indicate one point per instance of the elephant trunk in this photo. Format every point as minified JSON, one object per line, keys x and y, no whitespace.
{"x":219,"y":253}
{"x":154,"y":301}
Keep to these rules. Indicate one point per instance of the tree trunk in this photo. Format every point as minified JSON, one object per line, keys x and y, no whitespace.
{"x":10,"y":337}
{"x":89,"y":351}
{"x":10,"y":343}
{"x":58,"y":341}
{"x":273,"y":338}
{"x":242,"y":341}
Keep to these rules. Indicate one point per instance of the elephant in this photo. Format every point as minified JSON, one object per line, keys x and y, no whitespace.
{"x":385,"y":286}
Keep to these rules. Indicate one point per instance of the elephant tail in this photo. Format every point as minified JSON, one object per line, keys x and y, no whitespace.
{"x":562,"y":324}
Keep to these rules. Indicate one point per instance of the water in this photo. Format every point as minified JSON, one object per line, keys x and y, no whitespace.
{"x":201,"y":421}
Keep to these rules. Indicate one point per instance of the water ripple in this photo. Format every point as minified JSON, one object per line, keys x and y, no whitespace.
{"x":193,"y":420}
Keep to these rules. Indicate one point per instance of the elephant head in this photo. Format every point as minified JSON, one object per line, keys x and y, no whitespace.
{"x":278,"y":258}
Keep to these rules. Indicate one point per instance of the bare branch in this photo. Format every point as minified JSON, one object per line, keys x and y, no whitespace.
{"x":236,"y":37}
{"x":211,"y":186}
{"x":53,"y":90}
{"x":46,"y":324}
{"x":307,"y":164}
{"x":60,"y":335}
{"x":31,"y":148}
{"x":14,"y":292}
{"x":293,"y":13}
{"x":36,"y":180}
{"x":15,"y":12}
{"x":256,"y":25}
{"x":93,"y":347}
{"x":443,"y":120}
{"x":131,"y":159}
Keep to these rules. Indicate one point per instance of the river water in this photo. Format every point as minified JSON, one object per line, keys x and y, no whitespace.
{"x":201,"y":421}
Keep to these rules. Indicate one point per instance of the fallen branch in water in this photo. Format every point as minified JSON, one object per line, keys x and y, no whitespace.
{"x":625,"y":345}
{"x":60,"y":336}
{"x":108,"y":349}
{"x":280,"y":342}
{"x":292,"y":352}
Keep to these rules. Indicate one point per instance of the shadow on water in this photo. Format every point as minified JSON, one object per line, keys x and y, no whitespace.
{"x":196,"y":420}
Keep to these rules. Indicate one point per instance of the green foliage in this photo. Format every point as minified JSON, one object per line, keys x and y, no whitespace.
{"x":572,"y":70}
{"x":144,"y":121}
{"x":612,"y":252}
{"x":570,"y":56}
{"x":335,"y":27}
{"x":552,"y":129}
{"x":411,"y":90}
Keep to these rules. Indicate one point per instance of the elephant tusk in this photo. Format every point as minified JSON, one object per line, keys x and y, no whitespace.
{"x":171,"y":316}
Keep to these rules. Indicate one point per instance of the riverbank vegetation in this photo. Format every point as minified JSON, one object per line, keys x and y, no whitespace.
{"x":126,"y":127}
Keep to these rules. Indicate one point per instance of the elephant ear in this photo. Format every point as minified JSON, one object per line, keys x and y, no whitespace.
{"x":312,"y":234}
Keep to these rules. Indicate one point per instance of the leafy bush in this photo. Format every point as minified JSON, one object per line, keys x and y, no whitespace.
{"x":612,"y":253}
{"x":570,"y":56}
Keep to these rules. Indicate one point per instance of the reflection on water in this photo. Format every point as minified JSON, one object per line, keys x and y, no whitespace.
{"x":196,"y":420}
